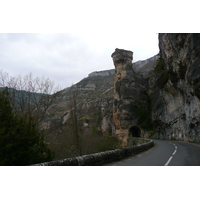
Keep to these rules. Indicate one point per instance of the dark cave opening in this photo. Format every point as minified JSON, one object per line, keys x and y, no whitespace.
{"x":135,"y":131}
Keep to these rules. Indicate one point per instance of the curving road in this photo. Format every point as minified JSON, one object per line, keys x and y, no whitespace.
{"x":165,"y":153}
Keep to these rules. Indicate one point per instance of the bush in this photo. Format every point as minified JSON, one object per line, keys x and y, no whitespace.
{"x":163,"y":79}
{"x":159,"y":64}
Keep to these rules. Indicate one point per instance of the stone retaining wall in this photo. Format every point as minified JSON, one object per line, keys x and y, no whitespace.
{"x":101,"y":158}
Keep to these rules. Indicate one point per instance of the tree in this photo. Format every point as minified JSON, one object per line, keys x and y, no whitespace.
{"x":20,"y":141}
{"x":29,"y":97}
{"x":74,"y":119}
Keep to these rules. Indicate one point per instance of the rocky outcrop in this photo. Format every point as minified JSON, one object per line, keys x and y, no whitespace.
{"x":162,"y":98}
{"x":123,"y":98}
{"x":131,"y":99}
{"x":102,"y":73}
{"x":176,"y":110}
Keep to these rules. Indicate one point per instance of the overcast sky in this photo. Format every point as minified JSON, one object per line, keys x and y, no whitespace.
{"x":91,"y":30}
{"x":66,"y":58}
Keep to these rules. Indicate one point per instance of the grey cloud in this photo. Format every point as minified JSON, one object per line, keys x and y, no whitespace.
{"x":64,"y":58}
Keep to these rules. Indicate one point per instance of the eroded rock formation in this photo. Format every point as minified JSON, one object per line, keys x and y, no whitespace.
{"x":163,"y":98}
{"x":123,"y":99}
{"x":176,"y":110}
{"x":132,"y":103}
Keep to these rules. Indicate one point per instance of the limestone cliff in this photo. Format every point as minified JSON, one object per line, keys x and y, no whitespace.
{"x":132,"y":104}
{"x":163,"y":98}
{"x":102,"y":73}
{"x":123,"y":98}
{"x":176,"y":98}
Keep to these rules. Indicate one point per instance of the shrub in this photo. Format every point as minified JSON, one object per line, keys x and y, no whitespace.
{"x":159,"y":64}
{"x":163,"y":79}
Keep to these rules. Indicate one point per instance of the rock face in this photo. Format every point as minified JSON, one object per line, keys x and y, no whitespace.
{"x":161,"y":97}
{"x":176,"y":110}
{"x":123,"y":99}
{"x":102,"y":73}
{"x":131,"y":98}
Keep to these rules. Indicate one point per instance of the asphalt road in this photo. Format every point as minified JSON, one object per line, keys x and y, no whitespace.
{"x":165,"y":153}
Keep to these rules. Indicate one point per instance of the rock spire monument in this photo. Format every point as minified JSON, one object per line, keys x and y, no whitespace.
{"x":124,"y":82}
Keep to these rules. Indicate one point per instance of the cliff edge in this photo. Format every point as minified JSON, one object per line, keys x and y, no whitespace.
{"x":176,"y":109}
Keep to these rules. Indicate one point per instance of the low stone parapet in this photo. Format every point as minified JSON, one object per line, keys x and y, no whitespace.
{"x":101,"y":158}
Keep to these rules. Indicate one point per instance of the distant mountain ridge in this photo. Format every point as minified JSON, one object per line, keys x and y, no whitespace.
{"x":102,"y":73}
{"x":20,"y":93}
{"x":140,"y":66}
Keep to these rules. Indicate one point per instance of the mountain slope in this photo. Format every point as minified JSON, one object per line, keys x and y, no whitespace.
{"x":87,"y":106}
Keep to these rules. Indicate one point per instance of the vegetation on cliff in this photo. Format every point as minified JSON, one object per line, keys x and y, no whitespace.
{"x":159,"y":64}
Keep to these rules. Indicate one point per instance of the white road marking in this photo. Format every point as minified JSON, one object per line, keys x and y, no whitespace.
{"x":167,"y":163}
{"x":175,"y":146}
{"x":174,"y":152}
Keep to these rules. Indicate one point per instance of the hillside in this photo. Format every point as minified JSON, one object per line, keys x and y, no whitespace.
{"x":95,"y":91}
{"x":18,"y":94}
{"x":91,"y":102}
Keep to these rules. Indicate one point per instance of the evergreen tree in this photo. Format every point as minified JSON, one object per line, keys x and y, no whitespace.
{"x":20,"y":141}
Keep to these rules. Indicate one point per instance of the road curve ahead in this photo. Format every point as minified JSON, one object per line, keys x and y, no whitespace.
{"x":165,"y":153}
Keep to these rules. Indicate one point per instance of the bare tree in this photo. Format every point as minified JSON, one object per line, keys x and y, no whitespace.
{"x":30,"y":97}
{"x":74,"y":118}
